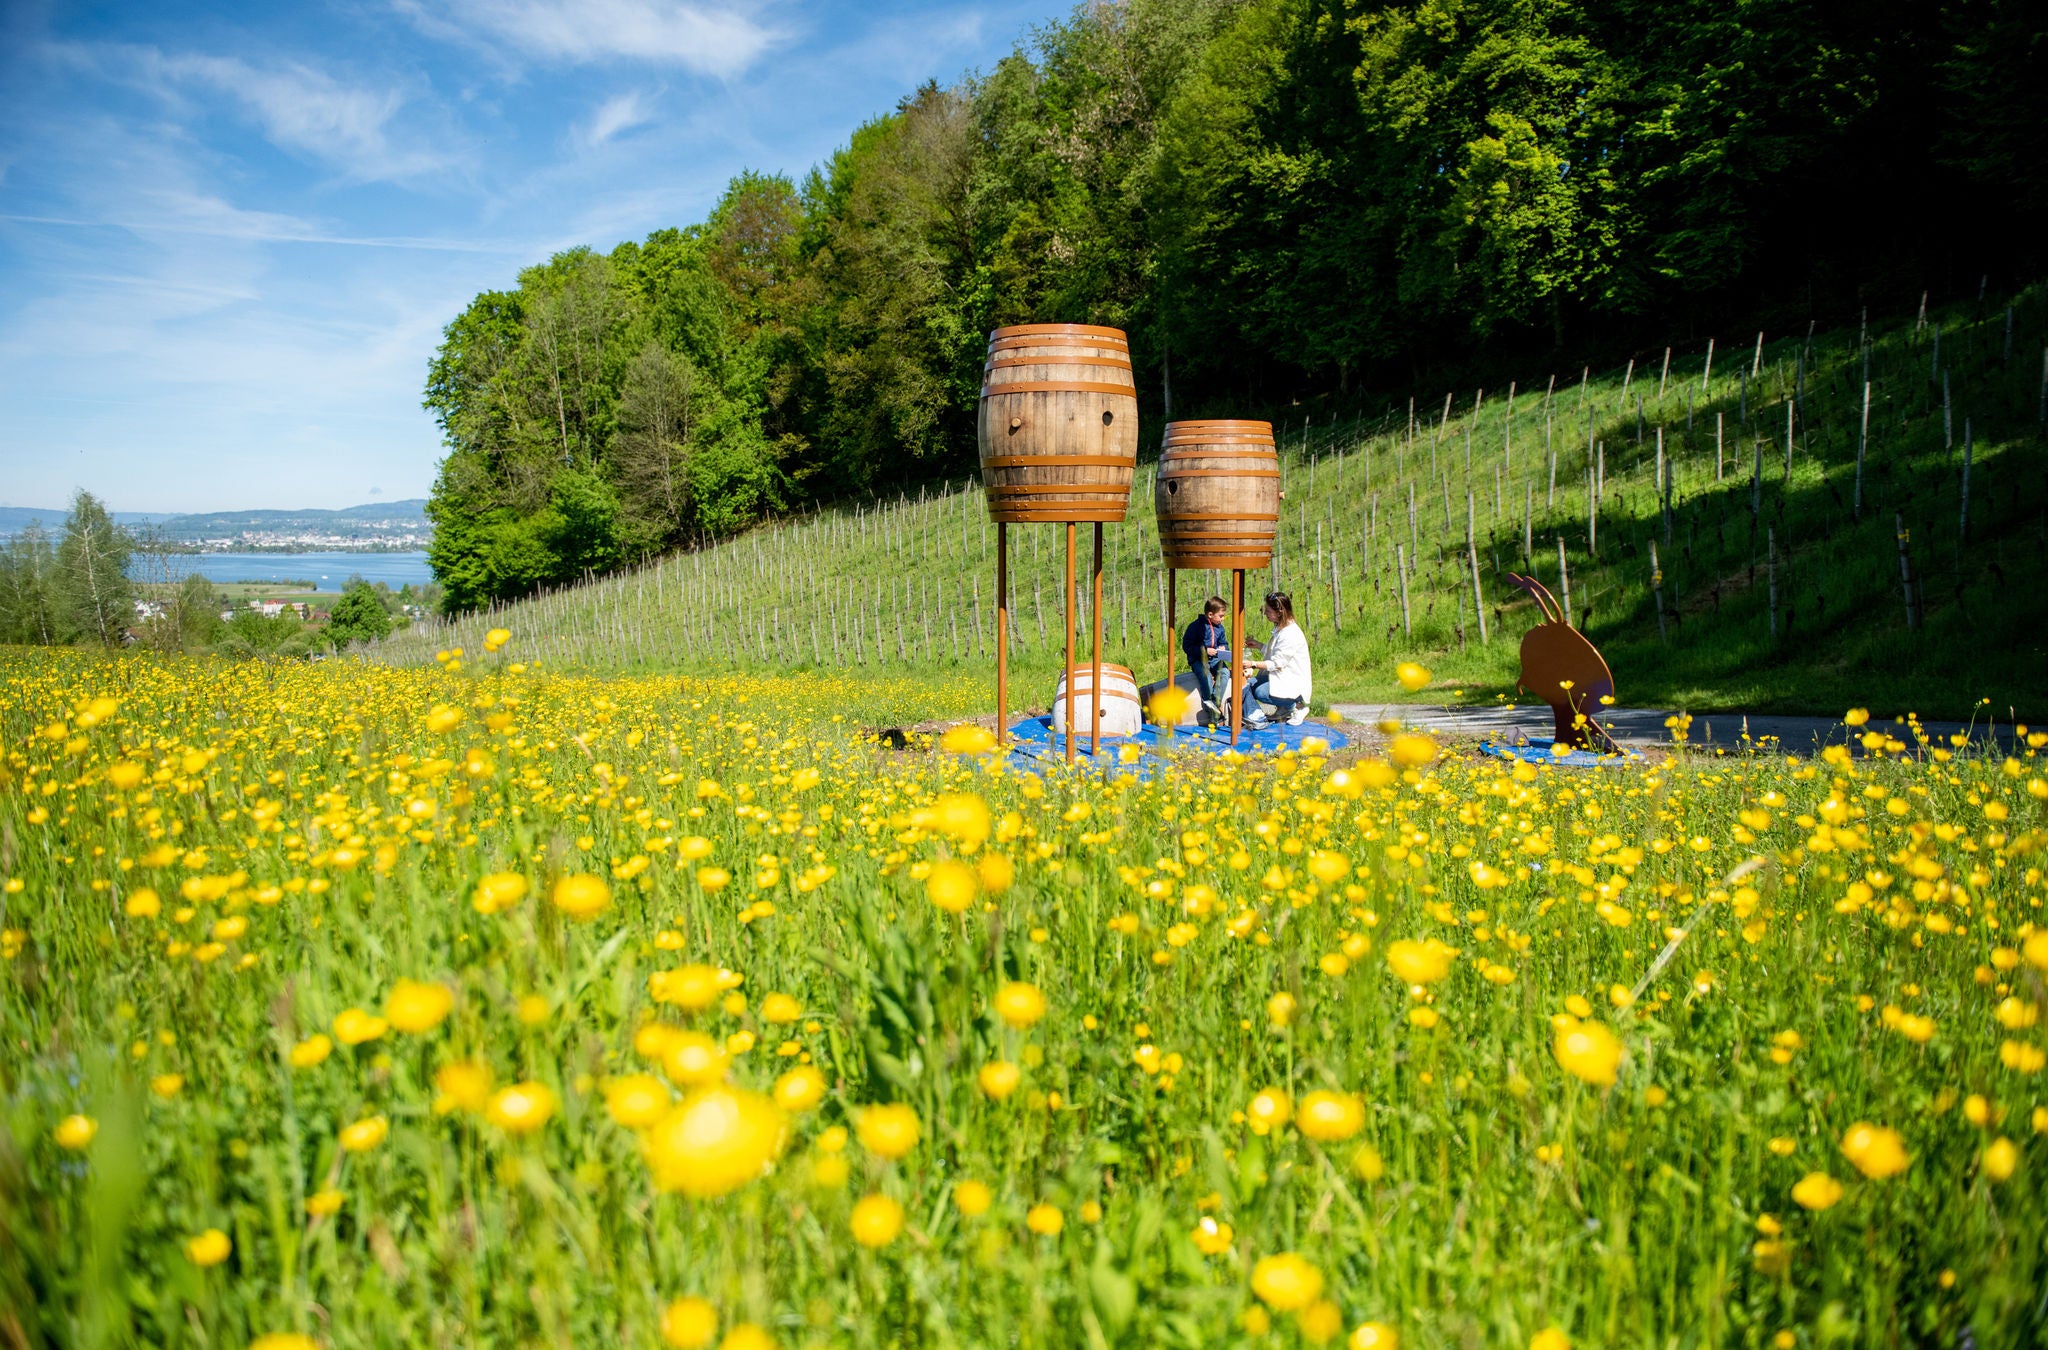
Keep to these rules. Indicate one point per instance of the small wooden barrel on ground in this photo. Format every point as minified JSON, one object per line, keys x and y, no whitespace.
{"x":1218,"y":495}
{"x":1059,"y":423}
{"x":1121,"y":713}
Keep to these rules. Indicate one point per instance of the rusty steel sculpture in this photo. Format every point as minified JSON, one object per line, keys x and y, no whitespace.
{"x":1565,"y":670}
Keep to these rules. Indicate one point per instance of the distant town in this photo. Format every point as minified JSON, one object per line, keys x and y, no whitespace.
{"x":378,"y":527}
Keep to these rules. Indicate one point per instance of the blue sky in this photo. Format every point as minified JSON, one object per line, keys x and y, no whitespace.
{"x":229,"y":237}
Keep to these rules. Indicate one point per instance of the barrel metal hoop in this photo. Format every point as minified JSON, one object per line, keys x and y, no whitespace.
{"x":1121,"y":363}
{"x":1058,"y":387}
{"x":1059,"y":461}
{"x":1221,"y":473}
{"x":1222,"y":515}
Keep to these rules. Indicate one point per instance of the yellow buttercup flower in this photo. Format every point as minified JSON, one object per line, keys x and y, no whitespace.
{"x":209,"y":1248}
{"x":581,"y":896}
{"x":694,"y":1059}
{"x":800,"y":1090}
{"x":363,"y":1135}
{"x":312,"y":1051}
{"x":1211,"y":1237}
{"x":353,"y":1026}
{"x":780,"y":1009}
{"x":689,"y":1324}
{"x":1816,"y":1191}
{"x":1374,"y":1336}
{"x":1330,"y":1116}
{"x":415,"y":1006}
{"x":637,"y":1100}
{"x":952,"y":886}
{"x":1020,"y":1005}
{"x":972,"y":1198}
{"x":717,"y":1141}
{"x":1414,"y":678}
{"x":498,"y":892}
{"x":1045,"y":1220}
{"x":888,"y":1131}
{"x":1286,"y":1282}
{"x":1269,"y":1110}
{"x":324,"y":1204}
{"x":1423,"y":962}
{"x":1588,"y":1050}
{"x":875,"y":1221}
{"x":998,"y":1079}
{"x":521,"y":1108}
{"x":1876,"y":1151}
{"x":462,"y":1085}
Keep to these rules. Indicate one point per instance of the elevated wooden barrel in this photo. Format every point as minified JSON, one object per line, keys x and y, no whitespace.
{"x":1218,"y":494}
{"x":1059,"y":423}
{"x":1121,"y":714}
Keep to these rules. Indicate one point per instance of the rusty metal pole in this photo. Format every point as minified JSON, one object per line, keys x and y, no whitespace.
{"x":1236,"y":653}
{"x":1095,"y":649}
{"x":1071,"y":700}
{"x":1171,"y":620}
{"x":1002,"y":633}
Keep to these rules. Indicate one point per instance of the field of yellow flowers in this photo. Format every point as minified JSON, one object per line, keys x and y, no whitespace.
{"x":476,"y":1005}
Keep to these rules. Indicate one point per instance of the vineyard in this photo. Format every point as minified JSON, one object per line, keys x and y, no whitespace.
{"x":1789,"y":524}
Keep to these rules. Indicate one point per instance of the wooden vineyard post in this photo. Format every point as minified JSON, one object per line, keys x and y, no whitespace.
{"x":1094,"y":651}
{"x":1002,"y":633}
{"x":1401,"y":571}
{"x":1905,"y":569}
{"x":1070,"y":643}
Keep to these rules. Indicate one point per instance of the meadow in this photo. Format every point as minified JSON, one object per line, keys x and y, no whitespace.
{"x":478,"y":1004}
{"x":1788,"y":523}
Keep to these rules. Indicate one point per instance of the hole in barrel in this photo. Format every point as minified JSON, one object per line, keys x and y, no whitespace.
{"x":1107,"y":417}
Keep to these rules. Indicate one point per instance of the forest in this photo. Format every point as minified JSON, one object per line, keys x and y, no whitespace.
{"x":1288,"y":204}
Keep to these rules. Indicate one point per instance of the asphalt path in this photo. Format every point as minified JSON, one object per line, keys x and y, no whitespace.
{"x":1643,"y":728}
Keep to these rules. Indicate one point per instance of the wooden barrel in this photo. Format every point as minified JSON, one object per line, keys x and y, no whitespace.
{"x":1121,"y":713}
{"x":1218,"y":494}
{"x":1059,"y":423}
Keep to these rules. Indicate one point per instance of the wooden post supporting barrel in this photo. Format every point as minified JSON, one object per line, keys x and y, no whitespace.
{"x":1058,"y":429}
{"x":1217,"y":498}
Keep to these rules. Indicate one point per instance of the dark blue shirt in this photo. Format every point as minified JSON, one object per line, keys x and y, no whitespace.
{"x":1199,"y":637}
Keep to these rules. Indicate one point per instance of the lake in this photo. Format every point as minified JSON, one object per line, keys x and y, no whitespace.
{"x":326,"y":570}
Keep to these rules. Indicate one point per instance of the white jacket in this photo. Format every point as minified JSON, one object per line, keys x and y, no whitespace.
{"x":1287,"y":657}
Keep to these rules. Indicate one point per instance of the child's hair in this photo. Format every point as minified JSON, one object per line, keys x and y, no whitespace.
{"x":1281,"y":603}
{"x":1214,"y":605}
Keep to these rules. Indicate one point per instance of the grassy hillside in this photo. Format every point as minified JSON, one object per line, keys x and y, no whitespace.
{"x":1954,"y":398}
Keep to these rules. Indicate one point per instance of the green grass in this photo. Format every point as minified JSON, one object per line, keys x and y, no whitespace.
{"x":774,"y":598}
{"x":312,"y":835}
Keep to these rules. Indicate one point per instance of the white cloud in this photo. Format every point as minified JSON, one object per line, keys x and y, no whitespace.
{"x":703,"y":39}
{"x":299,"y":108}
{"x":621,"y":112}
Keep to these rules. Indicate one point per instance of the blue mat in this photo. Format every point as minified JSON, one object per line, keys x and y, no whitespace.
{"x":1033,"y":738}
{"x":1536,"y":750}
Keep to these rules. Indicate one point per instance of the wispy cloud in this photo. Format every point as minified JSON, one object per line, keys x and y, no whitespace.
{"x":621,"y":112}
{"x":299,"y":108}
{"x":703,"y":39}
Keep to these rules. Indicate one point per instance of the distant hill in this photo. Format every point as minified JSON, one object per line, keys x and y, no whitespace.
{"x":400,"y":523}
{"x":15,"y":519}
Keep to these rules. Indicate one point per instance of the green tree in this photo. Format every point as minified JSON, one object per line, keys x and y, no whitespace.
{"x":358,"y":616}
{"x":28,"y":589}
{"x":95,"y":601}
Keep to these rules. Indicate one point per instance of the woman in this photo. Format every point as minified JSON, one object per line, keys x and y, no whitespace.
{"x":1283,"y":677}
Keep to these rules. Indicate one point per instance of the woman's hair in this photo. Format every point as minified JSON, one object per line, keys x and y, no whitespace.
{"x":1281,"y":603}
{"x":1214,"y":605}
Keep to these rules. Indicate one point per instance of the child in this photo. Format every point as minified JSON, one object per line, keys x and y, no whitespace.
{"x":1207,"y":647}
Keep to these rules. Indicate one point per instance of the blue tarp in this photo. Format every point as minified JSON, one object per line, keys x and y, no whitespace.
{"x":1536,"y":750}
{"x":1033,"y":739}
